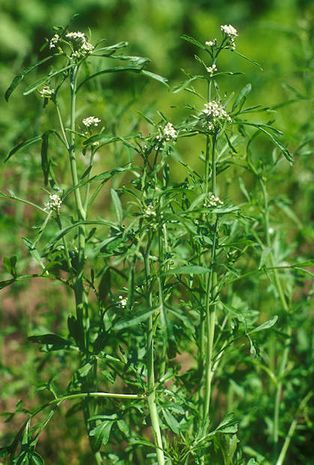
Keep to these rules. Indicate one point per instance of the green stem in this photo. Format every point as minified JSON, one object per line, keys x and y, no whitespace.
{"x":151,"y":371}
{"x":210,"y":305}
{"x":292,"y":429}
{"x":285,"y":306}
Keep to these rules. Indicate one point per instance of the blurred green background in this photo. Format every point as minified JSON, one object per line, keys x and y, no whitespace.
{"x":278,"y":34}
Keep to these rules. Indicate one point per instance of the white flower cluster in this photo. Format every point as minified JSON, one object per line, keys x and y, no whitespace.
{"x":46,"y":92}
{"x":211,"y":43}
{"x":91,"y":121}
{"x":123,"y":301}
{"x":150,"y":211}
{"x":54,"y":203}
{"x":230,"y":32}
{"x":54,"y":41}
{"x":80,"y":44}
{"x":168,"y":133}
{"x":216,"y":114}
{"x":213,"y":201}
{"x":212,"y":69}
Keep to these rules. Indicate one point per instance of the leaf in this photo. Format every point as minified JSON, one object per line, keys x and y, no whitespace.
{"x":102,"y":178}
{"x":104,"y":285}
{"x":76,"y":332}
{"x":117,"y":69}
{"x":189,"y":269}
{"x":85,"y":369}
{"x":171,"y":421}
{"x":264,"y":256}
{"x":56,"y":341}
{"x":44,"y":80}
{"x":268,"y":324}
{"x":138,"y":318}
{"x":101,"y":138}
{"x":101,"y":434}
{"x":19,"y":77}
{"x":193,"y":41}
{"x":155,"y":76}
{"x":9,"y":264}
{"x":229,"y":425}
{"x":6,"y":283}
{"x":117,"y":205}
{"x":240,"y":100}
{"x":45,"y":164}
{"x":22,"y":145}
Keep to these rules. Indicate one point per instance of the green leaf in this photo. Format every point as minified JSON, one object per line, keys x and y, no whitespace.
{"x":76,"y":331}
{"x":56,"y":341}
{"x":240,"y":100}
{"x":117,"y":69}
{"x":193,"y":41}
{"x":229,"y":425}
{"x":155,"y":76}
{"x":171,"y":421}
{"x":45,"y":164}
{"x":22,"y":145}
{"x":104,"y":285}
{"x":6,"y":283}
{"x":268,"y":324}
{"x":18,"y":78}
{"x":101,"y":434}
{"x":189,"y":269}
{"x":138,"y":318}
{"x":44,"y":80}
{"x":9,"y":264}
{"x":117,"y":205}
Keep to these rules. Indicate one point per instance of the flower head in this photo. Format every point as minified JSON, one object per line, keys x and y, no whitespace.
{"x":231,"y":33}
{"x":80,"y":44}
{"x":150,"y":211}
{"x":91,"y":121}
{"x":213,"y":116}
{"x":212,"y":69}
{"x":214,"y":110}
{"x":211,"y":43}
{"x":54,"y":41}
{"x":213,"y":201}
{"x":229,"y":30}
{"x":123,"y":301}
{"x":46,"y":92}
{"x":54,"y":203}
{"x":167,"y":134}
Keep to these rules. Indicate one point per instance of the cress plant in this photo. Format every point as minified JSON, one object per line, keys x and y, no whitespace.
{"x":166,"y":336}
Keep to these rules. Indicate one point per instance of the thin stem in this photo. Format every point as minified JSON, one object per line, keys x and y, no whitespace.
{"x":292,"y":429}
{"x":151,"y":371}
{"x":210,"y":305}
{"x":285,"y":306}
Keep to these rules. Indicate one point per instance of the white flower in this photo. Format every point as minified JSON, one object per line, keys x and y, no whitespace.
{"x":54,"y":41}
{"x":211,"y":43}
{"x":211,"y":69}
{"x":214,"y":110}
{"x":150,"y":211}
{"x":91,"y":121}
{"x":229,"y":30}
{"x":123,"y":301}
{"x":168,"y":133}
{"x":46,"y":92}
{"x":75,"y":36}
{"x":80,"y":44}
{"x":54,"y":203}
{"x":213,"y":201}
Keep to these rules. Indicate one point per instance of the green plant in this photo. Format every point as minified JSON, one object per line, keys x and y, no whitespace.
{"x":174,"y":269}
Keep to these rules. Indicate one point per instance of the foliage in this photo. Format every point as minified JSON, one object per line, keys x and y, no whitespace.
{"x":184,"y":303}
